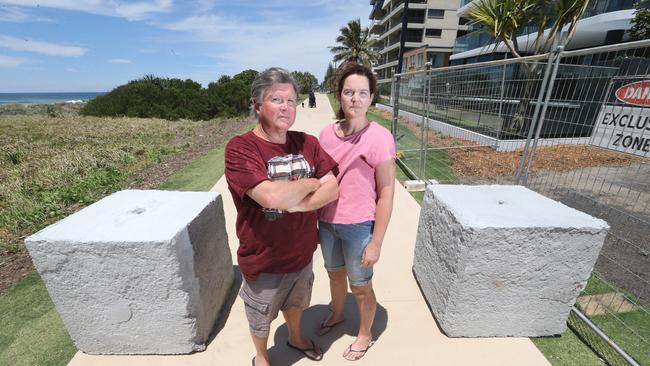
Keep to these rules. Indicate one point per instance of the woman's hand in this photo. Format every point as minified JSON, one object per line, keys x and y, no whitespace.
{"x":370,"y":254}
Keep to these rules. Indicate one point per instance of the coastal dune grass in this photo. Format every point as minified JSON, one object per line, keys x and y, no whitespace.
{"x":53,"y":167}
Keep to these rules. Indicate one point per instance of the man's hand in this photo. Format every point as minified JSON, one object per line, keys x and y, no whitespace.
{"x":326,"y":178}
{"x":283,"y":194}
{"x":327,"y":192}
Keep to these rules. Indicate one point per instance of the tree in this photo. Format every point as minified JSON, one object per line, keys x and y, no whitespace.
{"x":355,"y":44}
{"x":224,"y":79}
{"x":641,"y":21}
{"x":306,"y":81}
{"x":330,"y":78}
{"x":505,"y":20}
{"x":246,"y":77}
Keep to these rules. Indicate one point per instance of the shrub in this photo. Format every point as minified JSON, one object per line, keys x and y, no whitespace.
{"x":172,"y":99}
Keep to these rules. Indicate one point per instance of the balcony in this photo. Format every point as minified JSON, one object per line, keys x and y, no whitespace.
{"x":476,"y":39}
{"x":596,"y":7}
{"x":415,"y":37}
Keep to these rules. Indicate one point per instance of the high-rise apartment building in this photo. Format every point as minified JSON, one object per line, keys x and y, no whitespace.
{"x":604,"y":22}
{"x":431,"y":25}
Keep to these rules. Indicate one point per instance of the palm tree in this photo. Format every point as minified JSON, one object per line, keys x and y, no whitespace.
{"x":505,"y":20}
{"x":355,"y":44}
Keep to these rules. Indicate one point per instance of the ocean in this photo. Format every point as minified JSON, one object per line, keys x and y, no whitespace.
{"x":46,"y":98}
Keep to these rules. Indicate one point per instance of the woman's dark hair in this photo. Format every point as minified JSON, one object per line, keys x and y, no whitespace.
{"x":352,"y":68}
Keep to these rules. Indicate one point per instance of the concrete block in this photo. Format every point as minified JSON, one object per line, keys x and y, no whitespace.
{"x":414,"y":185}
{"x":502,"y":260}
{"x":138,"y":272}
{"x":418,"y":185}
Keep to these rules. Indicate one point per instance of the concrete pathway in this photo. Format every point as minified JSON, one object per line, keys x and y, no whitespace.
{"x":405,"y":330}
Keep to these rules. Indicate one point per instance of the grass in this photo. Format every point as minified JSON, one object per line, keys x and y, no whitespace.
{"x":620,"y":330}
{"x":566,"y":350}
{"x":200,"y":175}
{"x":52,"y":167}
{"x":32,"y":332}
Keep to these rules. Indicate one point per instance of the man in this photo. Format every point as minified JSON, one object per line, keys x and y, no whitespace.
{"x":277,"y":179}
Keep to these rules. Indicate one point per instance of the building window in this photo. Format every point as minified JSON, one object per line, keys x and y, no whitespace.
{"x":435,"y":13}
{"x":435,"y":33}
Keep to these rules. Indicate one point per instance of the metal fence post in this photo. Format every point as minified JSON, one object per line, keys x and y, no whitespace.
{"x":540,"y":97}
{"x":395,"y":93}
{"x":422,"y":122}
{"x":543,"y":114}
{"x":425,"y":138}
{"x":503,"y":85}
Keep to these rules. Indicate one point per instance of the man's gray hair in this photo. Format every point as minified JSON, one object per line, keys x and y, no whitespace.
{"x":265,"y":80}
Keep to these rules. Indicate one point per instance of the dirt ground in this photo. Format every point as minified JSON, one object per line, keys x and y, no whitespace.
{"x":152,"y":177}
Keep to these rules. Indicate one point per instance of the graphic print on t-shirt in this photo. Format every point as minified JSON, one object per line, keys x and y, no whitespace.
{"x":288,"y":167}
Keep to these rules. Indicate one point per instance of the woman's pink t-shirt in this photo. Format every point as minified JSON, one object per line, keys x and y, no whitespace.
{"x":357,"y":155}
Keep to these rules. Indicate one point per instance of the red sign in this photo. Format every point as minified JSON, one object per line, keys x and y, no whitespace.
{"x":636,"y":93}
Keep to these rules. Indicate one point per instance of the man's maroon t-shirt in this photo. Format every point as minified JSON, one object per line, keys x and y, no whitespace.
{"x":272,"y":241}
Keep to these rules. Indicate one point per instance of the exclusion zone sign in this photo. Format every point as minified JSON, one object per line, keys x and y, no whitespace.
{"x":625,"y":125}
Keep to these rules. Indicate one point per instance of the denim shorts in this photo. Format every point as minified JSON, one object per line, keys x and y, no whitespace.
{"x":343,"y":246}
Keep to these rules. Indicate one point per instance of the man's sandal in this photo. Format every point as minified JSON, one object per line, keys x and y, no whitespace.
{"x":310,"y":353}
{"x":361,"y":352}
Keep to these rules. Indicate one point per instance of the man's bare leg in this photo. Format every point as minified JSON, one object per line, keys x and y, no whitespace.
{"x":367,"y":304}
{"x":293,"y":316}
{"x":261,"y":353}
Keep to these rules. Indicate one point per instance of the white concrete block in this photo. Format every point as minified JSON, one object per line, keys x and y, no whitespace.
{"x":414,"y":185}
{"x":502,"y":260}
{"x":418,"y":185}
{"x":138,"y":272}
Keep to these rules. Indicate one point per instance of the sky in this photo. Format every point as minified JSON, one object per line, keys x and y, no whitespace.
{"x":96,"y":45}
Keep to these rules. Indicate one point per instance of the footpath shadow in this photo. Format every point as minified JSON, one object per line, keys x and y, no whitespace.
{"x":227,"y":305}
{"x":281,"y":355}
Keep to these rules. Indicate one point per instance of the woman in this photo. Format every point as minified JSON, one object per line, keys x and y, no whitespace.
{"x":352,"y":228}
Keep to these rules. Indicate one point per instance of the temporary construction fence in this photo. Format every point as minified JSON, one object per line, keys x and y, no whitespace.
{"x":572,"y":125}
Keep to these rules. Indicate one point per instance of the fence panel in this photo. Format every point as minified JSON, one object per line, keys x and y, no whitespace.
{"x":565,"y":119}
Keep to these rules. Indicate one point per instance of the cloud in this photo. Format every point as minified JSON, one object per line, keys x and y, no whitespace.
{"x":12,"y":14}
{"x":123,"y":9}
{"x":202,"y":6}
{"x":8,"y":61}
{"x":147,"y":51}
{"x":45,"y":48}
{"x":71,"y":69}
{"x":121,"y":61}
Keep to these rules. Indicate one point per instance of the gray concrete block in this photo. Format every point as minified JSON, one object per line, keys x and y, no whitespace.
{"x":502,"y":260}
{"x":138,"y":272}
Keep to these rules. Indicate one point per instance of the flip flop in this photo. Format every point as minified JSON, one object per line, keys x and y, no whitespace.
{"x":361,"y":351}
{"x":306,"y":351}
{"x":326,"y":328}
